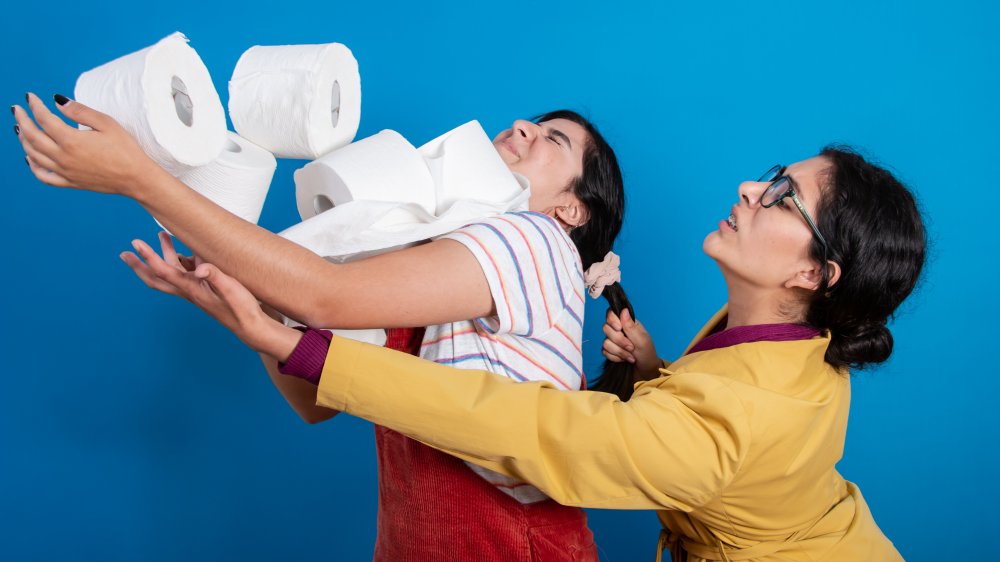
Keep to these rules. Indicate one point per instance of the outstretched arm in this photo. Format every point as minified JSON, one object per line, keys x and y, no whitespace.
{"x":674,"y":445}
{"x":224,"y":299}
{"x":399,"y":289}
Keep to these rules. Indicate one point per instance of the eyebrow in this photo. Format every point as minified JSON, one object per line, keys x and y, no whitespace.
{"x":795,"y":186}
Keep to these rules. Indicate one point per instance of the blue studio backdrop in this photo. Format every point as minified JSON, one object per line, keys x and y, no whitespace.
{"x":132,"y":427}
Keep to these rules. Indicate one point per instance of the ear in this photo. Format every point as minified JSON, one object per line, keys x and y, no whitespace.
{"x":573,"y":213}
{"x":809,"y":278}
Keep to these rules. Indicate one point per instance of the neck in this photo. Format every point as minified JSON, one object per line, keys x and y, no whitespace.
{"x":751,"y":306}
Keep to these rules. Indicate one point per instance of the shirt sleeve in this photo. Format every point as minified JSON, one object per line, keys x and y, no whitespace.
{"x":306,"y":360}
{"x":674,"y":445}
{"x":532,"y":268}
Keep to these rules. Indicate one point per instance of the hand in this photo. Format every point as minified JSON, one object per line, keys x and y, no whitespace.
{"x":627,"y":340}
{"x":105,"y":159}
{"x":211,"y":290}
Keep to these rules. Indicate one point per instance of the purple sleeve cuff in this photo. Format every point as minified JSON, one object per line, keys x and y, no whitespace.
{"x":307,"y":359}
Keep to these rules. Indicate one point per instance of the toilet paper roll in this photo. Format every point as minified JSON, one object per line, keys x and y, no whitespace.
{"x":465,"y":165}
{"x":164,"y":96}
{"x":297,"y":101}
{"x":363,"y":228}
{"x":383,"y":167}
{"x":238,"y":179}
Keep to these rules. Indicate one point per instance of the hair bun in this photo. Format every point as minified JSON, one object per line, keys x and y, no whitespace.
{"x":859,"y":345}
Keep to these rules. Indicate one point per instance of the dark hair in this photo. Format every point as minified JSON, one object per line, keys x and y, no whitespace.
{"x":601,"y":189}
{"x":876,"y":235}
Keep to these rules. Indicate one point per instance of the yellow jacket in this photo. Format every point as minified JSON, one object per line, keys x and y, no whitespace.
{"x":735,"y":446}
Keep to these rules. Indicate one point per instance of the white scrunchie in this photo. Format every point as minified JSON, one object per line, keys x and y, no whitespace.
{"x":601,"y":274}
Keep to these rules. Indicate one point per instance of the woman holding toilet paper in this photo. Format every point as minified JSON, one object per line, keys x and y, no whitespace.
{"x":578,"y":204}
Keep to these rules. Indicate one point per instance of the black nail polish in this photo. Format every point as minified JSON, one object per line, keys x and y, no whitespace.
{"x":26,"y":161}
{"x":17,"y":130}
{"x":12,"y":110}
{"x":27,"y":99}
{"x":60,"y":99}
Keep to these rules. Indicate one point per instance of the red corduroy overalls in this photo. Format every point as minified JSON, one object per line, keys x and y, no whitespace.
{"x":432,"y":507}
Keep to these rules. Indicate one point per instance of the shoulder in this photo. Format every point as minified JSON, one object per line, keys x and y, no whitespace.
{"x":524,"y":234}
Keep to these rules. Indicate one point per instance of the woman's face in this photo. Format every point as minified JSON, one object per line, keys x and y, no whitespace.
{"x":549,"y":154}
{"x":769,"y":248}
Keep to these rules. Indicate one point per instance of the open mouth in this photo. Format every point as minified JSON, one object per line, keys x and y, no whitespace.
{"x":731,"y":221}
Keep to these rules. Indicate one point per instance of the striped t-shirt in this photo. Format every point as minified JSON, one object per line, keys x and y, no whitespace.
{"x":536,"y":278}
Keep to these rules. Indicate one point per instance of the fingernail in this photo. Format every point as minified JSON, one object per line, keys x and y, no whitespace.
{"x":12,"y":110}
{"x":17,"y":130}
{"x":26,"y":161}
{"x":60,"y":99}
{"x":27,"y":98}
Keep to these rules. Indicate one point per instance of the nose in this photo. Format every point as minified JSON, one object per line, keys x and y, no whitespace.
{"x":525,"y":130}
{"x":750,"y":192}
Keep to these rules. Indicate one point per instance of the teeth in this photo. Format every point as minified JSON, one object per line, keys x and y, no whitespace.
{"x":732,"y":222}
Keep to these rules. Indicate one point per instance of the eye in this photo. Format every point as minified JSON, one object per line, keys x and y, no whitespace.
{"x":554,"y":139}
{"x":781,"y":203}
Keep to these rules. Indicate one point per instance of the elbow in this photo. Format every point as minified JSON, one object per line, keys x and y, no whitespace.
{"x":321,"y":318}
{"x":310,"y":420}
{"x":317,"y":415}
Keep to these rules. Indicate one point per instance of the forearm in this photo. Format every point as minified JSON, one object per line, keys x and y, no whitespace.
{"x":294,"y":280}
{"x":580,"y":448}
{"x":300,"y":394}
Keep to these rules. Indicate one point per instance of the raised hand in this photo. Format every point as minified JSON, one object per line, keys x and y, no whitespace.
{"x":105,"y":159}
{"x":216,"y":293}
{"x":627,"y":340}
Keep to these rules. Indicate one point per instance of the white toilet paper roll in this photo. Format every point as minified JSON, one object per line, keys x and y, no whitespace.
{"x":164,"y":96}
{"x":297,"y":101}
{"x":383,"y":167}
{"x":238,"y":179}
{"x":363,"y":228}
{"x":465,"y":165}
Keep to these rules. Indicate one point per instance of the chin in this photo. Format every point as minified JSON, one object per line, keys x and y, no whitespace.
{"x":711,"y":245}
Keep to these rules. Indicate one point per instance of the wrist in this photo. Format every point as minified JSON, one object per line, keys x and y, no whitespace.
{"x":273,"y":338}
{"x":143,"y":182}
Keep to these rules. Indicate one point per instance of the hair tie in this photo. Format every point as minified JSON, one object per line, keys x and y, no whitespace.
{"x":601,"y":274}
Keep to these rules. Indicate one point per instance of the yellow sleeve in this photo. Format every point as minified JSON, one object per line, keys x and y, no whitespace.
{"x":674,"y":445}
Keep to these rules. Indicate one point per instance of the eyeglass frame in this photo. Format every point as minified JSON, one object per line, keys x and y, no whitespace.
{"x":776,"y":174}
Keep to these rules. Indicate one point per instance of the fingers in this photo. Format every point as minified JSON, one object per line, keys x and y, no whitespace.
{"x":146,"y":274}
{"x":85,"y":115}
{"x":619,"y":338}
{"x":169,"y":254}
{"x":160,"y":268}
{"x":627,"y":321}
{"x":230,"y":290}
{"x":614,"y":353}
{"x":33,"y":140}
{"x":47,"y":176}
{"x":55,"y":127}
{"x":612,"y":320}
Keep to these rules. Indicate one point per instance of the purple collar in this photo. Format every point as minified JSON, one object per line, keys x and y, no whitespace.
{"x":760,"y":332}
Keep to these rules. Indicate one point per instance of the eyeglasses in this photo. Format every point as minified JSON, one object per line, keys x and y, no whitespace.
{"x":782,"y":187}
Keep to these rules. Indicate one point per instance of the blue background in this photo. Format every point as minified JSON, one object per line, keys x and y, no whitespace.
{"x":134,"y":428}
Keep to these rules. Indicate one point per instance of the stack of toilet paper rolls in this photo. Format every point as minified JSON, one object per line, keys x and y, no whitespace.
{"x":381,"y":193}
{"x":295,"y":101}
{"x":301,"y":101}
